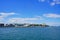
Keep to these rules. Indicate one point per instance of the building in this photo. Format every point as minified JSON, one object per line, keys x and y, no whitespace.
{"x":1,"y":25}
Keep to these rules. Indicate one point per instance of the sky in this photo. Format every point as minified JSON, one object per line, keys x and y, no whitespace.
{"x":30,"y":11}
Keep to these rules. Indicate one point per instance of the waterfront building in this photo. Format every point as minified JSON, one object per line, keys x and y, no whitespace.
{"x":1,"y":25}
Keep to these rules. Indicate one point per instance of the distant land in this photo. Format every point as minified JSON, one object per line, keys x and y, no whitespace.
{"x":23,"y":25}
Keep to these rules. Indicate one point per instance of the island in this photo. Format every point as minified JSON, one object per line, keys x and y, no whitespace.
{"x":23,"y":25}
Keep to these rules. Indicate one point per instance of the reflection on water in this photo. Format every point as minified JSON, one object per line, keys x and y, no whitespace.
{"x":38,"y":33}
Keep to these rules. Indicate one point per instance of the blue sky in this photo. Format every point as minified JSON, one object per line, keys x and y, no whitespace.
{"x":30,"y":11}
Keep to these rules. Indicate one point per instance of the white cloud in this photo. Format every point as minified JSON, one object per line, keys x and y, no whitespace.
{"x":23,"y":20}
{"x":16,"y":20}
{"x":6,"y":14}
{"x":41,"y":0}
{"x":3,"y":15}
{"x":53,"y":23}
{"x":52,"y":2}
{"x":52,"y":15}
{"x":55,"y":2}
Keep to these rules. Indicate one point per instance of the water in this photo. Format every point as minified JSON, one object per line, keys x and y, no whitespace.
{"x":37,"y":33}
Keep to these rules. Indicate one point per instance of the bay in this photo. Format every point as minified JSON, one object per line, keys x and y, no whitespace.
{"x":35,"y":33}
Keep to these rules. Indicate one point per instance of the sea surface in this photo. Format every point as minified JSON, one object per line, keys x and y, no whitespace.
{"x":33,"y":33}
